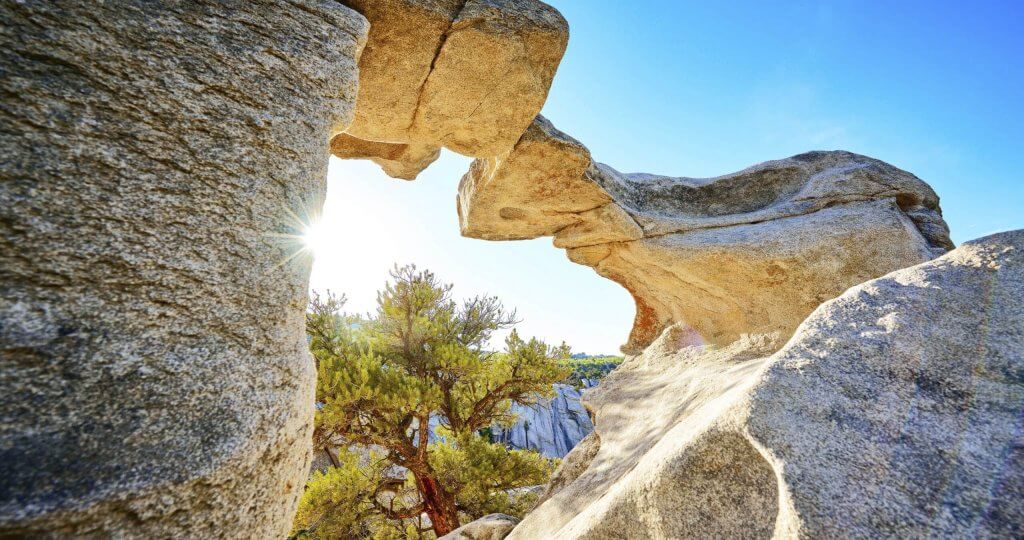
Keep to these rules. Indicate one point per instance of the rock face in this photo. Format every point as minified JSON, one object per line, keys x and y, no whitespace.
{"x":754,"y":251}
{"x":469,"y":75}
{"x":155,"y":379}
{"x":894,"y":411}
{"x":552,"y":427}
{"x":489,"y":527}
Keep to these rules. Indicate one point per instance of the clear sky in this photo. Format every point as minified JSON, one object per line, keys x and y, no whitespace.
{"x":708,"y":88}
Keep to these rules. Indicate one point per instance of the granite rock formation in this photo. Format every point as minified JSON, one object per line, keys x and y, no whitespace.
{"x":156,"y":156}
{"x":153,"y":364}
{"x":468,"y":75}
{"x":552,"y":427}
{"x":752,"y":251}
{"x":894,"y":411}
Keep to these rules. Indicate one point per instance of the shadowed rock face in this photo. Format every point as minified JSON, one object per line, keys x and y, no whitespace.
{"x":155,"y":379}
{"x":893,"y":412}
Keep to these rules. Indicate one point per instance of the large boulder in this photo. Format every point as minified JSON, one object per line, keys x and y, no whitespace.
{"x":894,"y":411}
{"x":469,"y":75}
{"x":154,"y":375}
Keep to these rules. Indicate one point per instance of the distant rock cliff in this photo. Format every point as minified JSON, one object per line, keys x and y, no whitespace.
{"x":550,"y":427}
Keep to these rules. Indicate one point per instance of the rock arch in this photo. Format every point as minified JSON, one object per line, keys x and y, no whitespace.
{"x":155,"y":378}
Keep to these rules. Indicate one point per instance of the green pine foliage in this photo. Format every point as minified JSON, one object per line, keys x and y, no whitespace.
{"x":421,"y":358}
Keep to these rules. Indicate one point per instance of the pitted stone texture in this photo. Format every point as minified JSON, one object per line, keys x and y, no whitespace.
{"x":154,"y":372}
{"x":535,"y":189}
{"x":894,"y":411}
{"x":469,"y":75}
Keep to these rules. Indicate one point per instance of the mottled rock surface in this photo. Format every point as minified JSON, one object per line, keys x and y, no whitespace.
{"x":894,"y":411}
{"x":153,"y":364}
{"x":552,"y":427}
{"x":489,"y":527}
{"x":751,"y":252}
{"x":469,"y":75}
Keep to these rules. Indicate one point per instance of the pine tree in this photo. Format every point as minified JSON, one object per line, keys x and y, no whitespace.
{"x":423,"y":361}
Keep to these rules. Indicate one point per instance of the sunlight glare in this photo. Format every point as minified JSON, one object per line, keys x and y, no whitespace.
{"x":316,"y":238}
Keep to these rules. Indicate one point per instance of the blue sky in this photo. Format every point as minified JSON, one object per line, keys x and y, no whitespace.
{"x":708,"y":88}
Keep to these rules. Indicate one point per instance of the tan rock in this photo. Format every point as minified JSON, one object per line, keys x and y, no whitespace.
{"x":537,"y":188}
{"x":491,"y":76}
{"x":405,"y":37}
{"x":405,"y":161}
{"x":155,"y":380}
{"x":762,"y":277}
{"x":893,"y":412}
{"x":469,"y":75}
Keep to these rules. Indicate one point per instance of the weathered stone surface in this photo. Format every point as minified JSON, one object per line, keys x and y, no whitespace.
{"x":491,"y":76}
{"x":535,"y":189}
{"x":551,"y":427}
{"x":405,"y":38}
{"x":398,"y":160}
{"x":794,"y":186}
{"x":894,"y":411}
{"x":469,"y":75}
{"x":750,"y":252}
{"x":489,"y":527}
{"x":153,"y":365}
{"x":761,"y":277}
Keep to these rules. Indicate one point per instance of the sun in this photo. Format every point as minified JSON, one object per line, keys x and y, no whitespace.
{"x":315,"y":238}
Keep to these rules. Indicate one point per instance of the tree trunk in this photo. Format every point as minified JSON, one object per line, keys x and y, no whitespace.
{"x":440,"y":505}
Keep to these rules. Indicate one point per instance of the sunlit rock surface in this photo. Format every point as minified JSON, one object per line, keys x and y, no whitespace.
{"x":155,"y":380}
{"x":468,"y":75}
{"x":893,"y":412}
{"x":750,"y":252}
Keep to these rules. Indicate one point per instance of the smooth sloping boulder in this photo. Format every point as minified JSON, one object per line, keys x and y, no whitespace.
{"x":894,"y":411}
{"x":664,"y":461}
{"x":154,"y":375}
{"x":469,"y":75}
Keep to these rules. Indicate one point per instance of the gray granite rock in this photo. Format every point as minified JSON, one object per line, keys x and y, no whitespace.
{"x":897,"y":409}
{"x":893,"y":412}
{"x":552,"y":427}
{"x":154,"y":378}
